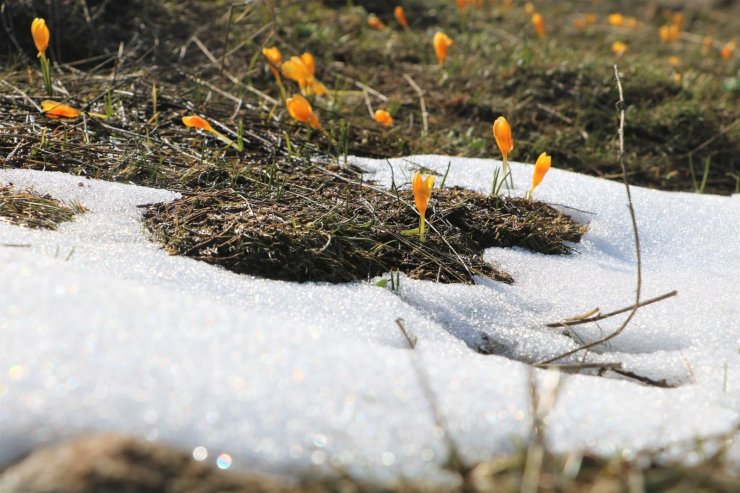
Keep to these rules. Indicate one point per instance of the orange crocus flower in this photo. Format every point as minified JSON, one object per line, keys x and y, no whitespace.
{"x":274,"y":57}
{"x":619,"y":48}
{"x":422,"y":193}
{"x":383,"y":117}
{"x":375,"y":23}
{"x":502,"y":134}
{"x":301,"y":70}
{"x":300,"y":109}
{"x":539,"y":24}
{"x":615,"y":19}
{"x":441,"y":43}
{"x":541,"y":167}
{"x":591,"y":19}
{"x":400,"y":16}
{"x":728,"y":50}
{"x":40,"y":34}
{"x":55,"y":109}
{"x":195,"y":121}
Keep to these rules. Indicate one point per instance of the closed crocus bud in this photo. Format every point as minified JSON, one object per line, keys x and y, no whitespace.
{"x":300,"y":109}
{"x":55,"y":109}
{"x":422,"y":191}
{"x":375,"y":23}
{"x":194,"y":121}
{"x":441,"y":43}
{"x":728,"y":50}
{"x":539,"y":24}
{"x":615,"y":19}
{"x":541,"y":167}
{"x":502,"y":134}
{"x":619,"y":48}
{"x":310,"y":63}
{"x":40,"y":34}
{"x":400,"y":16}
{"x":529,"y":8}
{"x":383,"y":117}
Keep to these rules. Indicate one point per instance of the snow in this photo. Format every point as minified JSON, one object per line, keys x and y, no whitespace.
{"x":100,"y":329}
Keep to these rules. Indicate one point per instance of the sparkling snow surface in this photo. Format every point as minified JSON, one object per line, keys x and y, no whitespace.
{"x":101,"y":330}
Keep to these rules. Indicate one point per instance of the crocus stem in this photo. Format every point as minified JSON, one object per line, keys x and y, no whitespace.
{"x":421,"y":227}
{"x":46,"y":74}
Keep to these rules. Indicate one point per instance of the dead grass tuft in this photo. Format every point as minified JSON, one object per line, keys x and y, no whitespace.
{"x":32,"y":210}
{"x":320,"y":226}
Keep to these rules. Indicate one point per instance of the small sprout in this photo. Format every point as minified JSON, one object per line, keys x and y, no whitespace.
{"x":300,"y":109}
{"x":194,"y":121}
{"x":40,"y":34}
{"x":383,"y":117}
{"x":375,"y":23}
{"x":422,"y":188}
{"x":728,"y":50}
{"x":502,"y":135}
{"x":441,"y":43}
{"x":539,"y":24}
{"x":541,"y":167}
{"x":707,"y":44}
{"x":615,"y":19}
{"x":619,"y":48}
{"x":400,"y":16}
{"x":529,"y":8}
{"x":55,"y":109}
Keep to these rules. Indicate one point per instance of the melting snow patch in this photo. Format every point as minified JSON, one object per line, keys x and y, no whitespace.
{"x":100,"y":329}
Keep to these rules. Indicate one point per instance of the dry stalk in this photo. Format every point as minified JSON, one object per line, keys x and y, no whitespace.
{"x":589,"y":318}
{"x":422,"y":103}
{"x":630,"y":206}
{"x":455,"y":462}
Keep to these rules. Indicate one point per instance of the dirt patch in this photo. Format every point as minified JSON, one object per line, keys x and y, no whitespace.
{"x":323,"y":226}
{"x":33,"y":210}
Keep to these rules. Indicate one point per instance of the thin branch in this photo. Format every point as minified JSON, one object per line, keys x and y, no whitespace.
{"x":454,"y":457}
{"x":630,"y":206}
{"x":579,"y":321}
{"x":420,"y":93}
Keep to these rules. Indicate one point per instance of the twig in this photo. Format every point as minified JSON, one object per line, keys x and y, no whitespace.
{"x":409,"y":338}
{"x":455,"y":462}
{"x":579,"y":321}
{"x":582,"y":366}
{"x":420,"y":93}
{"x":638,"y":289}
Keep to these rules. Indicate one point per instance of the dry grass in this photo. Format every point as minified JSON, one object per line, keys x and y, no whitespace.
{"x":30,"y":209}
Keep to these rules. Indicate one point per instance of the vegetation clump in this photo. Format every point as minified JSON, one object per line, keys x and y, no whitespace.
{"x":331,"y":226}
{"x":30,"y":209}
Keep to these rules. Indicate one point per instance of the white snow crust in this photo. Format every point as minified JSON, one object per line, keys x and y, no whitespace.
{"x":102,"y":330}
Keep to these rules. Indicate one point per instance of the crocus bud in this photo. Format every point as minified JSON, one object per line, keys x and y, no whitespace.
{"x":383,"y":117}
{"x":40,"y":34}
{"x":539,"y":24}
{"x":441,"y":43}
{"x":502,"y":134}
{"x":300,"y":109}
{"x":400,"y":16}
{"x":541,"y":167}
